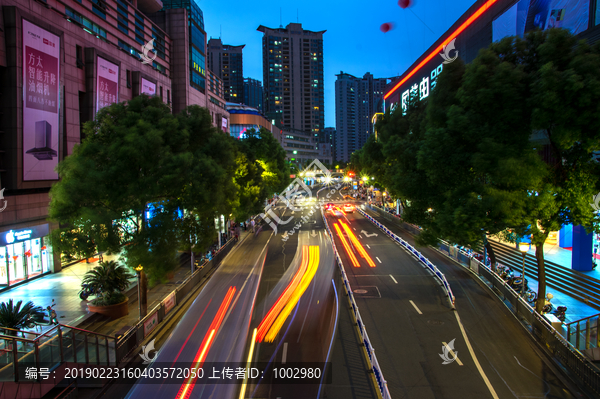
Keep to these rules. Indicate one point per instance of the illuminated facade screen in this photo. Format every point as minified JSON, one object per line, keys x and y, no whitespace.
{"x":527,"y":15}
{"x":484,"y":22}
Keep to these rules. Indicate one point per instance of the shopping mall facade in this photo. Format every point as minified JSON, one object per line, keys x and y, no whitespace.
{"x":61,"y":61}
{"x":488,"y":21}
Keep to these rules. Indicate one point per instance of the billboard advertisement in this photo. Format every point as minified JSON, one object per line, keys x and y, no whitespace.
{"x":107,"y":83}
{"x":148,"y":87}
{"x":41,"y":99}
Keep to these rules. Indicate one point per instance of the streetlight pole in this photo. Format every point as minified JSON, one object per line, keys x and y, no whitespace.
{"x":524,"y":248}
{"x":138,"y":271}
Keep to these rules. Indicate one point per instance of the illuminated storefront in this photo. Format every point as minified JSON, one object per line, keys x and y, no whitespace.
{"x":24,"y":253}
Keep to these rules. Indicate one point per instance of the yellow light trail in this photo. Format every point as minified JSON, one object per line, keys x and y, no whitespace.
{"x":306,"y":280}
{"x":267,"y":321}
{"x":347,"y":246}
{"x":243,"y":391}
{"x":358,"y":245}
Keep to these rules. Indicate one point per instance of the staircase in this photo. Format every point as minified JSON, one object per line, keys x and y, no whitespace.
{"x":583,"y":335}
{"x":578,"y":285}
{"x":24,"y":354}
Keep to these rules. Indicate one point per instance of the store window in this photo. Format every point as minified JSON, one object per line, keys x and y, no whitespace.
{"x":24,"y":253}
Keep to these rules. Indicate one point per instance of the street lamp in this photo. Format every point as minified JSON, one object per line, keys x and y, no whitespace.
{"x":138,"y":270}
{"x":524,"y":247}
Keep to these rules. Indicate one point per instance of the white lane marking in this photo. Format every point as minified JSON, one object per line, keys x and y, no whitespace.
{"x":284,"y":356}
{"x":377,"y":259}
{"x":416,"y":308}
{"x":452,"y":353}
{"x":393,"y":279}
{"x":485,"y":379}
{"x":360,"y":236}
{"x":368,"y":246}
{"x":354,"y":229}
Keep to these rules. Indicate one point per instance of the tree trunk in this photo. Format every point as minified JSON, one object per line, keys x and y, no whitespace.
{"x":539,"y":255}
{"x":144,"y":293}
{"x":193,"y":261}
{"x":491,"y":254}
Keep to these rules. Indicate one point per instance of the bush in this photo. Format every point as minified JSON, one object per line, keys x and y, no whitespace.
{"x":108,"y":281}
{"x":16,"y":316}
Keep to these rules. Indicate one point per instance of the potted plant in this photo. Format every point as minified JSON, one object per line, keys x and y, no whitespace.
{"x":13,"y":315}
{"x":108,"y":281}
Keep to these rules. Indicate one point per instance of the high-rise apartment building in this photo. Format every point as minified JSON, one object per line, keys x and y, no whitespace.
{"x":226,"y":62}
{"x":327,"y":136}
{"x":253,"y":93}
{"x":356,"y":101}
{"x":193,"y":82}
{"x":293,"y":77}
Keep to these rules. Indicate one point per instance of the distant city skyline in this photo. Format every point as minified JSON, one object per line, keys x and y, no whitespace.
{"x":353,"y":42}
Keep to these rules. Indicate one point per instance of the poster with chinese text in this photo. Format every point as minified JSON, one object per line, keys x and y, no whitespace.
{"x":148,"y":87}
{"x":41,"y":103}
{"x":107,"y":84}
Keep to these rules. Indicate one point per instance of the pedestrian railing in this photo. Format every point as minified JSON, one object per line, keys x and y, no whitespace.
{"x":583,"y":333}
{"x":372,"y":359}
{"x":567,"y":355}
{"x":419,"y":256}
{"x":26,"y":360}
{"x":31,"y":359}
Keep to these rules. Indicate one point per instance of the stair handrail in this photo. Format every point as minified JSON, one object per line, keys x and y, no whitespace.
{"x":585,"y":318}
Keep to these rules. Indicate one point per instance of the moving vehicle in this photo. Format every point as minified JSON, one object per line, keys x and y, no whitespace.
{"x":329,"y":206}
{"x":348,"y":208}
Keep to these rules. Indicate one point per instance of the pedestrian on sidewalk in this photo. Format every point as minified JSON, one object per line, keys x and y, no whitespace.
{"x":253,"y":226}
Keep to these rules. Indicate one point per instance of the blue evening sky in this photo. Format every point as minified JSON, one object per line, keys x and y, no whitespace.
{"x":353,"y":42}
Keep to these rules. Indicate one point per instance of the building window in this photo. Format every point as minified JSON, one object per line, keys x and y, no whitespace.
{"x":168,"y":96}
{"x":88,"y":26}
{"x":128,"y":74}
{"x":99,"y":8}
{"x":161,"y":93}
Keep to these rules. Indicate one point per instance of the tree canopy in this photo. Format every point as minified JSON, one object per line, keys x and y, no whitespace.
{"x":148,"y":178}
{"x":505,"y":142}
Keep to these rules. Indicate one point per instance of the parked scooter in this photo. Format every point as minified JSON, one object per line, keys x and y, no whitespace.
{"x":37,"y":320}
{"x":548,"y":307}
{"x":85,"y":292}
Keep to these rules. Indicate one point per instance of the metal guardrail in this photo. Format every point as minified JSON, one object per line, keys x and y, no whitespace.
{"x":575,"y":363}
{"x":373,"y":363}
{"x":420,"y":257}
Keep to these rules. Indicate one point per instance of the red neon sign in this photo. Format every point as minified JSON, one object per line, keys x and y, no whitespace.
{"x":435,"y":52}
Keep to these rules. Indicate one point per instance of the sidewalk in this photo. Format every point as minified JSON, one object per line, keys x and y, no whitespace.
{"x":64,"y":287}
{"x":557,"y":255}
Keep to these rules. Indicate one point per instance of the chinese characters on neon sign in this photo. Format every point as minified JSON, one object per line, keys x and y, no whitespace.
{"x":422,"y":89}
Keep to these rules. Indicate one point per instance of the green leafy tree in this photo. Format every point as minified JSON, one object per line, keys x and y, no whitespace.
{"x":564,"y":104}
{"x":262,"y":170}
{"x":475,"y":160}
{"x":138,"y":155}
{"x":481,"y":184}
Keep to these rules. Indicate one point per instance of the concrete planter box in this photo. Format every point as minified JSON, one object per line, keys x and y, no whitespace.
{"x":113,"y":311}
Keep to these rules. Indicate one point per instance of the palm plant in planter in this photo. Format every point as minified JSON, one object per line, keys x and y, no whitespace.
{"x":108,"y":281}
{"x":13,"y":315}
